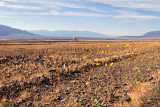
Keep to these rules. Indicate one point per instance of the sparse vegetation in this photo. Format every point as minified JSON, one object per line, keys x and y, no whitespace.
{"x":89,"y":74}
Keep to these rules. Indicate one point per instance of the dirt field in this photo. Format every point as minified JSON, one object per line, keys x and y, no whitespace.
{"x":91,"y":74}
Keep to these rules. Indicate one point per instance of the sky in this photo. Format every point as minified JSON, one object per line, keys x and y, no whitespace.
{"x":110,"y":17}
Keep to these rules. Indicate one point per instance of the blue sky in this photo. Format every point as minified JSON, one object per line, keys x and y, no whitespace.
{"x":110,"y":17}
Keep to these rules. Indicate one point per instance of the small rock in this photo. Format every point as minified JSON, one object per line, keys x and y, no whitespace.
{"x":52,"y":71}
{"x":127,"y":98}
{"x":59,"y":98}
{"x":150,"y":79}
{"x":117,"y":86}
{"x":124,"y":84}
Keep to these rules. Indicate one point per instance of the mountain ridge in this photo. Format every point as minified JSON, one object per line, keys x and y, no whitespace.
{"x":13,"y":33}
{"x":152,"y":33}
{"x":66,"y":33}
{"x":6,"y":30}
{"x":148,"y":35}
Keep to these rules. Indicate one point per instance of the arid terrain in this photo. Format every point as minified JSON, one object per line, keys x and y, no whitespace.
{"x":80,"y":74}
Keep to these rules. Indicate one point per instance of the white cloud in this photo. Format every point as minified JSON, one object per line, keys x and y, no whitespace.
{"x":134,"y":15}
{"x":8,"y":17}
{"x":83,"y":14}
{"x":56,"y":3}
{"x":68,"y":13}
{"x":22,"y":7}
{"x":65,"y":7}
{"x":67,"y":4}
{"x":152,"y":5}
{"x":3,"y":4}
{"x":137,"y":16}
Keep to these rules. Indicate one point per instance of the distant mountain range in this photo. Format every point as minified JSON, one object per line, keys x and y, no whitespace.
{"x":148,"y":35}
{"x":152,"y":34}
{"x":7,"y":32}
{"x":13,"y":33}
{"x":70,"y":34}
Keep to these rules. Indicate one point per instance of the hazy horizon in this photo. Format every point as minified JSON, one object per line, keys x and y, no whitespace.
{"x":109,"y":17}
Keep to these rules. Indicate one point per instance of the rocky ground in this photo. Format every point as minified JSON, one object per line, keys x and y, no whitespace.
{"x":118,"y":74}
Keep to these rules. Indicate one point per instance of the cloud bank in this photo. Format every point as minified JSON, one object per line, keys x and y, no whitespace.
{"x":130,"y":9}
